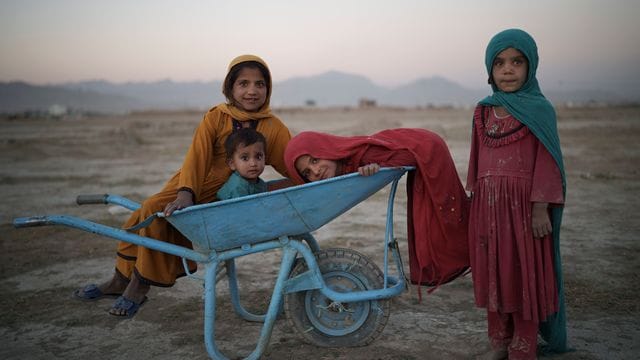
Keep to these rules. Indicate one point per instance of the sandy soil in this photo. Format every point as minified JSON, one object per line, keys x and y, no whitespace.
{"x":45,"y":163}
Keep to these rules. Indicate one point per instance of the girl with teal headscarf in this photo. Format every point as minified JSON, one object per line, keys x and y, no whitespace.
{"x":517,"y":180}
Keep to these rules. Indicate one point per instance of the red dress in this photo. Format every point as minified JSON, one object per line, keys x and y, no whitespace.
{"x":509,"y":169}
{"x":438,"y":206}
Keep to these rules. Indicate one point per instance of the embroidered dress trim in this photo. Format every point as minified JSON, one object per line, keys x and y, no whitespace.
{"x":492,"y":137}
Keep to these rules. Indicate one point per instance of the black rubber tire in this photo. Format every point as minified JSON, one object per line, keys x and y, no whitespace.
{"x":321,"y":322}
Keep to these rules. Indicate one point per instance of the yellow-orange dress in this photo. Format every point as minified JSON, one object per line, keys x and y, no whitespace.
{"x":204,"y":171}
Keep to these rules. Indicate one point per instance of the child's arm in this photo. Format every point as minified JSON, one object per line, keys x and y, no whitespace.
{"x":546,"y":189}
{"x":540,"y":221}
{"x":196,"y":165}
{"x":376,"y":157}
{"x":472,"y":171}
{"x":183,"y":200}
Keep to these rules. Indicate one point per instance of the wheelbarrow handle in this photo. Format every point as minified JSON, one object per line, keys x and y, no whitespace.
{"x":31,"y":221}
{"x":92,"y":199}
{"x":107,"y":199}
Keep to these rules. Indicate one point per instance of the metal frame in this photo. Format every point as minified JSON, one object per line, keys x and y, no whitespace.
{"x":292,"y":246}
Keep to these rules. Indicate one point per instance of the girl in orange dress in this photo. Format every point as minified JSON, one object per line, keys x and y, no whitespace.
{"x":247,"y":88}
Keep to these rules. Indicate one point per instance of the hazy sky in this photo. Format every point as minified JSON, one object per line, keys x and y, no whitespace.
{"x":582,"y":43}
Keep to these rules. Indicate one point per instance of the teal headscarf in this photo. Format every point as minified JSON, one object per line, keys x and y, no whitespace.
{"x":531,"y":108}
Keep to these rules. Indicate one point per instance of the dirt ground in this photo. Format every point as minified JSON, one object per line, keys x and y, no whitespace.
{"x":45,"y":163}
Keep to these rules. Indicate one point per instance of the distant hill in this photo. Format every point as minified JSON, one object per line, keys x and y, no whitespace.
{"x":433,"y":91}
{"x":18,"y":97}
{"x":332,"y":88}
{"x":165,"y":94}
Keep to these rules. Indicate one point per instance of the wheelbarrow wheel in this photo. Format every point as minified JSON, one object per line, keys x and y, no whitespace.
{"x":328,"y":324}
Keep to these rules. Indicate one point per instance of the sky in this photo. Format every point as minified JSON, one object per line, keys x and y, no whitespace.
{"x":583,"y":44}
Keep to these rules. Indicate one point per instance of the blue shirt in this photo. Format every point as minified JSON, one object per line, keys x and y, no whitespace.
{"x":237,"y":186}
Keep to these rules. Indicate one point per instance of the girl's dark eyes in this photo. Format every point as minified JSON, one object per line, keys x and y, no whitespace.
{"x":515,"y":62}
{"x":245,"y":83}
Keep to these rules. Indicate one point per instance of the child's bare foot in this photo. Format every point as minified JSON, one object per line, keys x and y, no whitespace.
{"x":133,"y":296}
{"x":113,"y":287}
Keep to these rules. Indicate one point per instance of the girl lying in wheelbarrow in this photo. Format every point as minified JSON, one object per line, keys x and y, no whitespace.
{"x":438,"y":216}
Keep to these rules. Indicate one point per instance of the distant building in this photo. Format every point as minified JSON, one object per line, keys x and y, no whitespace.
{"x":366,"y":103}
{"x":57,"y":110}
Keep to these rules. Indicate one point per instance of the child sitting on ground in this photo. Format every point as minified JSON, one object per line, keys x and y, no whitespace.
{"x":246,"y":149}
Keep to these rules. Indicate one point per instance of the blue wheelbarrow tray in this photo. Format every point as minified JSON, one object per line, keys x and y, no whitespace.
{"x":281,"y":219}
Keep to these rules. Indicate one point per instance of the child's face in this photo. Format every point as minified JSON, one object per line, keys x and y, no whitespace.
{"x":314,"y":169}
{"x":248,"y":161}
{"x":510,"y":69}
{"x":249,"y":90}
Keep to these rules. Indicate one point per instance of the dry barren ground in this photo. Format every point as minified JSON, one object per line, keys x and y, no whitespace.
{"x":45,"y":163}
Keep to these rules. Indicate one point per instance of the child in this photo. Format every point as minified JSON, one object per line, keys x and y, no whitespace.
{"x":437,"y":215}
{"x":247,"y":88}
{"x":517,"y":181}
{"x":246,"y":149}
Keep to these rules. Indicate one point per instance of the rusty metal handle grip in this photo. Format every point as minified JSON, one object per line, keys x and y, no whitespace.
{"x":31,"y":221}
{"x":92,"y":199}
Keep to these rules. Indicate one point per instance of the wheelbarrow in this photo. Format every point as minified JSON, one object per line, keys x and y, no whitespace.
{"x":332,"y":297}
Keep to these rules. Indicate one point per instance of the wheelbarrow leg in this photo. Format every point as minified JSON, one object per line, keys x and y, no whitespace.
{"x":233,"y":282}
{"x":277,"y":299}
{"x":288,"y":257}
{"x":210,"y":310}
{"x":235,"y":294}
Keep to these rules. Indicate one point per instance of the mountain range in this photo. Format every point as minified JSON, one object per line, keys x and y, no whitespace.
{"x":329,"y":89}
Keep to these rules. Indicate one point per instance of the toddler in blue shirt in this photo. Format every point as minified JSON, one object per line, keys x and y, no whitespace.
{"x":246,"y":151}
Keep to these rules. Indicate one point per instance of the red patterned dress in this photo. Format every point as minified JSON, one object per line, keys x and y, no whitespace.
{"x":509,"y":169}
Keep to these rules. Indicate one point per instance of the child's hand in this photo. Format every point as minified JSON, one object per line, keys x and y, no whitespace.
{"x":184,"y":199}
{"x":540,"y":222}
{"x":368,"y":170}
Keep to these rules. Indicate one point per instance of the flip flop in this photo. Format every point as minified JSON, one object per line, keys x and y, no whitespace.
{"x":130,"y":307}
{"x":91,"y":292}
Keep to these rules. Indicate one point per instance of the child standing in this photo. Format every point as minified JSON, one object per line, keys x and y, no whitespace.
{"x":246,"y":149}
{"x":516,"y":177}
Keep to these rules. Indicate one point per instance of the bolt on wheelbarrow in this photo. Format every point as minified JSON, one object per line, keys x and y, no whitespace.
{"x":332,"y":297}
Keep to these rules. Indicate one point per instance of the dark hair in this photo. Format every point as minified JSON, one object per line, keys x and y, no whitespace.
{"x":232,"y":76}
{"x":244,"y":137}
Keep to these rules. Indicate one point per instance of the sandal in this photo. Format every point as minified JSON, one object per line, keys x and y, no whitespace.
{"x":91,"y":292}
{"x":126,"y":306}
